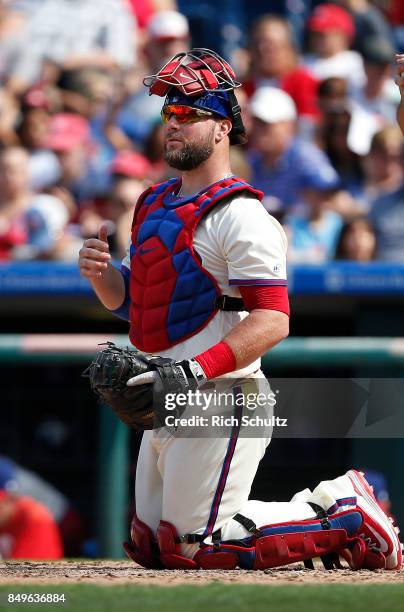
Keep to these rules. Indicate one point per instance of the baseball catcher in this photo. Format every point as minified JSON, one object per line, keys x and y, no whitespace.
{"x":204,"y":289}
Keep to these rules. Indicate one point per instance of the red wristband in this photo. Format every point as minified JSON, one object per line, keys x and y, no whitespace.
{"x":217,"y":360}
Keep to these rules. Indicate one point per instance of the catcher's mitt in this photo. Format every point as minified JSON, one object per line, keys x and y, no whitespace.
{"x":109,"y":372}
{"x":115,"y":375}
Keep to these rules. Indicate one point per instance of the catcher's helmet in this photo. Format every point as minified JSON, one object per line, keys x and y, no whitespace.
{"x":202,"y":79}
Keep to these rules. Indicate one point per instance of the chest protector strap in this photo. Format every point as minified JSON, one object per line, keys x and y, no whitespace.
{"x":173,"y":296}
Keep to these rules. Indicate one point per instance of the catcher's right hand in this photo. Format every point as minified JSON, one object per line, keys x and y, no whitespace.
{"x":94,"y":255}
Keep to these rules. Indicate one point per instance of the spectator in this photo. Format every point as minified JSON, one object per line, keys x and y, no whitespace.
{"x":240,"y":164}
{"x":394,"y":11}
{"x":168,"y":33}
{"x":383,"y":169}
{"x":26,"y":7}
{"x":283,"y":165}
{"x":129,"y":178}
{"x":130,"y":171}
{"x":88,"y":92}
{"x":31,"y":226}
{"x":143,"y":11}
{"x":82,"y":32}
{"x":387,"y":218}
{"x":275,"y":62}
{"x":44,"y":168}
{"x":337,"y":139}
{"x":331,"y":31}
{"x":69,"y":138}
{"x":15,"y":478}
{"x":27,"y":529}
{"x":12,"y":23}
{"x":85,"y":91}
{"x":379,"y":96}
{"x":154,"y":151}
{"x":314,"y":232}
{"x":357,"y":241}
{"x":8,"y":118}
{"x":369,"y":22}
{"x":400,"y":83}
{"x":332,"y":91}
{"x":361,"y":124}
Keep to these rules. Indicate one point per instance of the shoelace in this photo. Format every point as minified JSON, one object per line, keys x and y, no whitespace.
{"x":369,"y":543}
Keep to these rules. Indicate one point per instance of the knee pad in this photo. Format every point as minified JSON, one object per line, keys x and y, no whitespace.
{"x":143,"y":549}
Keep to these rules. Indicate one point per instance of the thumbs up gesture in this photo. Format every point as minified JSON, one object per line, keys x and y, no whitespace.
{"x":94,"y":255}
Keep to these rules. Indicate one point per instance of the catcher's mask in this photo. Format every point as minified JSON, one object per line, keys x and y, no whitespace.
{"x":200,"y":78}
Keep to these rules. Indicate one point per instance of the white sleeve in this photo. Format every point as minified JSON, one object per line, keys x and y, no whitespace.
{"x":253,"y":243}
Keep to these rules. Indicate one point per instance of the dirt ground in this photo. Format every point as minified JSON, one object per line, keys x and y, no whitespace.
{"x":118,"y":572}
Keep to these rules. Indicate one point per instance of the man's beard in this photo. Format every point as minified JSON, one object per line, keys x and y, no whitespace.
{"x":192,"y":154}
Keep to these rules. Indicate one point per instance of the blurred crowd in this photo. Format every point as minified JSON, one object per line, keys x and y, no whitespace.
{"x":80,"y":138}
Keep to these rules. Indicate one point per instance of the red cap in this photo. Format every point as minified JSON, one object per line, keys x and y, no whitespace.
{"x":66,"y":131}
{"x":327,"y":17}
{"x":129,"y":163}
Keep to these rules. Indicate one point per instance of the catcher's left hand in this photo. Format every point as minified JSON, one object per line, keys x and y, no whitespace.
{"x":135,"y":384}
